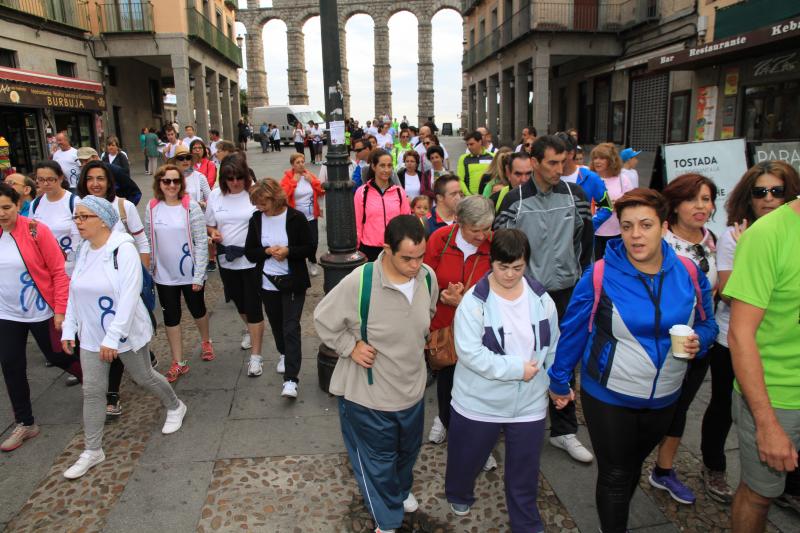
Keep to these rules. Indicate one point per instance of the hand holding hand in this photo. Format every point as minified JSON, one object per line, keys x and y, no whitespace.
{"x":68,"y":347}
{"x":363,"y":354}
{"x":562,"y":401}
{"x":196,"y":288}
{"x":107,"y":354}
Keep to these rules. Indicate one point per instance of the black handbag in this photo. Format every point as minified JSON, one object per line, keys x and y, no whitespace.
{"x":283,"y":282}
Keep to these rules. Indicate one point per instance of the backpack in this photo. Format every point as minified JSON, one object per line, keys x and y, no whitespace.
{"x":366,"y":190}
{"x":364,"y":296}
{"x":148,"y":293}
{"x":597,"y":282}
{"x":38,"y":199}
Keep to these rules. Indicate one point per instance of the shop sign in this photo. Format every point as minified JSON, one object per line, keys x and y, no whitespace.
{"x":705,"y":113}
{"x":773,"y":66}
{"x":731,"y":82}
{"x":724,"y":162}
{"x":18,"y":93}
{"x":778,"y":151}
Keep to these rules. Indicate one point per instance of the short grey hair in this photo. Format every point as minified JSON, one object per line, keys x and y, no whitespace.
{"x":475,"y":211}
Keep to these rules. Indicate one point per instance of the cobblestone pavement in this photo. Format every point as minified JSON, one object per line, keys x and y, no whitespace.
{"x":247,"y":459}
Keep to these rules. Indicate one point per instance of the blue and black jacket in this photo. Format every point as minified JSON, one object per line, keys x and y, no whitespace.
{"x":626,"y":359}
{"x":595,"y":189}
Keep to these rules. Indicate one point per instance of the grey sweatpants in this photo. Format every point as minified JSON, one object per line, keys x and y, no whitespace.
{"x":95,"y":386}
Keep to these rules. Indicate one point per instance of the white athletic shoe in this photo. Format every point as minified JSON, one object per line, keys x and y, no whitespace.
{"x":254,"y":367}
{"x":246,"y":344}
{"x":571,"y":445}
{"x":174,"y":419}
{"x":438,"y":432}
{"x":410,"y":504}
{"x":289,"y":389}
{"x":490,"y":464}
{"x":87,"y":460}
{"x":313,"y":269}
{"x":280,"y":368}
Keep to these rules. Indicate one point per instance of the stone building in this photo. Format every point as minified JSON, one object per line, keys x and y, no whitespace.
{"x":294,"y":13}
{"x":99,"y":68}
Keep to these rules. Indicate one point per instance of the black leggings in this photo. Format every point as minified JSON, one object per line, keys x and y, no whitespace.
{"x":300,"y":148}
{"x":372,"y":252}
{"x":717,"y":419}
{"x":444,"y":392}
{"x":692,"y":381}
{"x":170,"y":298}
{"x":13,"y":360}
{"x":284,"y":310}
{"x":312,"y":257}
{"x":243,"y":287}
{"x":622,"y":438}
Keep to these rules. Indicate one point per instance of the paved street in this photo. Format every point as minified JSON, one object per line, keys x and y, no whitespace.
{"x":247,"y":459}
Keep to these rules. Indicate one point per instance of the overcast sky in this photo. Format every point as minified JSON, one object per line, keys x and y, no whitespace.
{"x":447,"y":48}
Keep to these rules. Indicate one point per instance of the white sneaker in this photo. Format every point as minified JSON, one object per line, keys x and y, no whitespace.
{"x":254,"y":367}
{"x":438,"y":432}
{"x":410,"y":504}
{"x":490,"y":464}
{"x":313,"y":269}
{"x":174,"y":419}
{"x":280,"y":368}
{"x":246,"y":344}
{"x":289,"y":389}
{"x":87,"y":460}
{"x":573,"y":447}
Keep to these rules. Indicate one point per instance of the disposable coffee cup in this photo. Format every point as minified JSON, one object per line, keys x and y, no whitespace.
{"x":679,"y":333}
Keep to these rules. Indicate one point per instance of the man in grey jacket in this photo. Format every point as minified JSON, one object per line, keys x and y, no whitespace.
{"x":380,"y":375}
{"x":555,"y":216}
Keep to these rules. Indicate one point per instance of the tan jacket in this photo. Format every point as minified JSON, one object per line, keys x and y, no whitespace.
{"x":395,"y":329}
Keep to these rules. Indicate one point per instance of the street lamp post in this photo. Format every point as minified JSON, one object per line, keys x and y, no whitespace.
{"x":343,"y":256}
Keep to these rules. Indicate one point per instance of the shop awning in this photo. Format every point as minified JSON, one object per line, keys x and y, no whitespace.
{"x":784,"y":32}
{"x":52,"y":80}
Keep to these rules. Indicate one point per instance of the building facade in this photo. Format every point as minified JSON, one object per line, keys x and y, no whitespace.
{"x":99,"y":68}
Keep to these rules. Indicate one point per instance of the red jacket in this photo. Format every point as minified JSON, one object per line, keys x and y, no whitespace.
{"x":208,"y":169}
{"x":45,"y":262}
{"x":450,"y":267}
{"x":288,"y":184}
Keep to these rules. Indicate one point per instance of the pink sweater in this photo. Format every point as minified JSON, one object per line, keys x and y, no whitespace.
{"x":380,"y":209}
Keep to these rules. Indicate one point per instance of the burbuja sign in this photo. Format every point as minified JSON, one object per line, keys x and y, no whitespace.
{"x":24,"y":94}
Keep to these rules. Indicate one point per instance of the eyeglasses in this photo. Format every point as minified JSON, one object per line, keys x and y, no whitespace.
{"x":183,"y":158}
{"x":170,"y":181}
{"x":700,"y":252}
{"x":761,"y":192}
{"x":83,"y":218}
{"x":234,"y":178}
{"x":46,"y":180}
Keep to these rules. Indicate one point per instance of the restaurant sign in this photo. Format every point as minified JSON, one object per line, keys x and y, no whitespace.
{"x":25,"y":94}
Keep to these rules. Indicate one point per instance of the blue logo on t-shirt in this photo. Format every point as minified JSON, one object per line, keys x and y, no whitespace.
{"x":66,"y":243}
{"x":186,"y":255}
{"x":28,"y":285}
{"x":106,"y":305}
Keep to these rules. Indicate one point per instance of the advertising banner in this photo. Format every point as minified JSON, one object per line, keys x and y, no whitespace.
{"x":724,"y":162}
{"x":788,"y":151}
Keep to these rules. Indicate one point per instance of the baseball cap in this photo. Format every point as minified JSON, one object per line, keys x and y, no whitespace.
{"x":628,"y":153}
{"x":86,"y":152}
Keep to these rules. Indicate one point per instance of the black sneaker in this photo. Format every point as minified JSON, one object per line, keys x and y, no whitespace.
{"x":153,"y":360}
{"x":212,"y":266}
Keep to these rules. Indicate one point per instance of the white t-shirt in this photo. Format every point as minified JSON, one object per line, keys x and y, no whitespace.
{"x":304,"y":198}
{"x":188,"y":140}
{"x":413,"y":186}
{"x":111,"y":158}
{"x":407,"y":289}
{"x":299,"y":135}
{"x":372,"y":130}
{"x":230,"y":214}
{"x":135,"y":226}
{"x":174,"y":263}
{"x":212,"y":147}
{"x":316,"y":134}
{"x":58,"y":217}
{"x":195,"y":188}
{"x":572,"y":178}
{"x":20,"y":301}
{"x":632,"y":175}
{"x":466,"y":248}
{"x":95,"y":307}
{"x":273,"y":233}
{"x":726,"y":246}
{"x":169,"y":149}
{"x":70,"y":166}
{"x":383,"y":140}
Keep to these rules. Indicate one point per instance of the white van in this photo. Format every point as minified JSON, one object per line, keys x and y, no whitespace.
{"x":285,"y":116}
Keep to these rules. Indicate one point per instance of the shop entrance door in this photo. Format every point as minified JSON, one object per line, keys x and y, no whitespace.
{"x":21,"y":129}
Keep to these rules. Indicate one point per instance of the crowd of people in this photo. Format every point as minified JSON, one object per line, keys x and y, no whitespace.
{"x":507,"y":273}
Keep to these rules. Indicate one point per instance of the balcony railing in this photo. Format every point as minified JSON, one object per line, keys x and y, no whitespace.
{"x":610,"y":16}
{"x":123,"y":17}
{"x":67,"y":12}
{"x":201,"y":28}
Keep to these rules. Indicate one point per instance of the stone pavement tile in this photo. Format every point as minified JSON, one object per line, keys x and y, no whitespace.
{"x":663,"y":528}
{"x":199,"y":437}
{"x":58,"y":504}
{"x":272,"y":437}
{"x":22,"y":469}
{"x":161,"y":497}
{"x":69,"y":401}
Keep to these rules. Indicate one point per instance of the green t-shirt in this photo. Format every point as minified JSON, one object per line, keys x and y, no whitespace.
{"x":766,"y":274}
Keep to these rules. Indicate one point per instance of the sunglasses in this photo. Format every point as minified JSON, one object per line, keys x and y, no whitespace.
{"x":701,"y":253}
{"x":761,"y":192}
{"x":183,"y":158}
{"x":170,"y":181}
{"x":234,"y":178}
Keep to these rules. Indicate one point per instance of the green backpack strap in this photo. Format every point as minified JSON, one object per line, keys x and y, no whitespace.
{"x":364,"y":296}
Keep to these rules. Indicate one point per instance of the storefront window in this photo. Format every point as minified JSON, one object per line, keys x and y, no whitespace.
{"x":679,"y":117}
{"x":772,"y":111}
{"x":79,"y":127}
